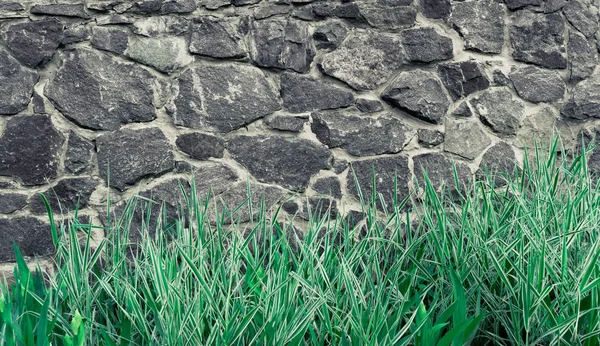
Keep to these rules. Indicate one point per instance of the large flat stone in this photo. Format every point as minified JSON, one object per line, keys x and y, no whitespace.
{"x":538,"y":85}
{"x":32,"y":236}
{"x":34,"y":43}
{"x":303,"y":94}
{"x":218,"y":38}
{"x":11,"y":202}
{"x":465,"y":138}
{"x":582,"y":57}
{"x":426,"y":45}
{"x":17,"y":84}
{"x":463,"y":78}
{"x":201,"y":146}
{"x":498,"y":109}
{"x":387,"y":16}
{"x":65,"y":10}
{"x":581,"y":17}
{"x":481,"y":24}
{"x":166,"y":54}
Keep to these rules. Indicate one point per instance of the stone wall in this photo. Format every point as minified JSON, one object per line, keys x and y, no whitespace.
{"x":284,"y":94}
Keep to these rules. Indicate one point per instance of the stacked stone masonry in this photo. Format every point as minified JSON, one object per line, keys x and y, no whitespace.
{"x":294,"y":97}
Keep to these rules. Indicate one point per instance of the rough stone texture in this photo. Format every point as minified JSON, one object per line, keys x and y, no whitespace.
{"x":463,"y":78}
{"x":538,"y":85}
{"x":111,"y":39}
{"x":330,"y":186}
{"x":498,"y":161}
{"x":387,"y":16}
{"x":286,"y":123}
{"x":11,"y":202}
{"x":540,"y":128}
{"x":361,"y":135}
{"x":368,"y":106}
{"x":32,"y":236}
{"x":223,"y":98}
{"x":303,"y":94}
{"x":463,"y":110}
{"x":164,"y":54}
{"x":436,"y":9}
{"x":330,"y":35}
{"x":420,"y":94}
{"x":430,"y":138}
{"x":34,"y":43}
{"x":584,"y":101}
{"x":66,"y":196}
{"x":481,"y":24}
{"x":538,"y":38}
{"x":426,"y":45}
{"x":156,"y":26}
{"x":130,"y":155}
{"x":66,"y":10}
{"x":201,"y":146}
{"x":582,"y":57}
{"x":365,"y":60}
{"x":517,"y":4}
{"x":347,"y":10}
{"x":217,"y":38}
{"x":29,"y":149}
{"x":17,"y":84}
{"x":498,"y":109}
{"x":465,"y":138}
{"x":581,"y":17}
{"x":440,"y":171}
{"x":79,"y":153}
{"x":286,"y":162}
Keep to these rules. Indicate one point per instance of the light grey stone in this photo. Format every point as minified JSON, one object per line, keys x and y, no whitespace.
{"x":498,"y":109}
{"x":465,"y":138}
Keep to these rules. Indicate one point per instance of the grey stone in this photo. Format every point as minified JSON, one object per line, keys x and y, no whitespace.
{"x":111,"y":39}
{"x":287,"y":162}
{"x":436,"y":9}
{"x":347,"y":10}
{"x":368,"y":106}
{"x":330,"y":35}
{"x":498,"y":109}
{"x":430,"y":138}
{"x":270,"y":10}
{"x":76,"y":33}
{"x":38,"y":104}
{"x":361,"y":135}
{"x":420,"y":94}
{"x":236,"y":195}
{"x":214,"y":179}
{"x":115,"y":18}
{"x":244,"y":2}
{"x":223,"y":98}
{"x":30,"y":148}
{"x":465,"y":138}
{"x":166,"y":54}
{"x":282,"y":43}
{"x":17,"y":84}
{"x":440,"y":172}
{"x":517,"y":4}
{"x":584,"y":100}
{"x":286,"y":123}
{"x":303,"y":94}
{"x":67,"y":195}
{"x":426,"y":45}
{"x":581,"y":18}
{"x":215,"y":4}
{"x":554,"y":5}
{"x":329,"y":186}
{"x":538,"y":85}
{"x":11,"y":202}
{"x":538,"y":38}
{"x":201,"y":146}
{"x":315,"y":208}
{"x":34,"y":43}
{"x":388,"y":17}
{"x":463,"y":110}
{"x":481,"y":24}
{"x":500,"y":162}
{"x":32,"y":237}
{"x":157,"y":26}
{"x":178,"y":6}
{"x":78,"y":158}
{"x":463,"y":78}
{"x":304,"y":13}
{"x":97,"y":92}
{"x":66,"y":10}
{"x":365,"y":60}
{"x":339,"y":165}
{"x":218,"y":38}
{"x":541,"y":127}
{"x":132,"y":155}
{"x":582,"y":57}
{"x":500,"y":79}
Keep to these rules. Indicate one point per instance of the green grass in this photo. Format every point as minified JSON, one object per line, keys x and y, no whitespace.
{"x":510,"y":266}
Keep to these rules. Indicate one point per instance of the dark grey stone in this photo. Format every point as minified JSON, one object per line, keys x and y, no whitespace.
{"x":38,"y":104}
{"x":538,"y":38}
{"x":440,"y":171}
{"x":329,"y":186}
{"x":218,"y":38}
{"x":282,"y":43}
{"x":365,"y":60}
{"x":17,"y":84}
{"x":223,"y":98}
{"x":11,"y":202}
{"x":465,"y":138}
{"x":388,"y":17}
{"x":30,"y":148}
{"x":215,"y":4}
{"x":244,"y":2}
{"x":420,"y":94}
{"x":67,"y":195}
{"x":584,"y":100}
{"x":554,"y":5}
{"x":368,"y":106}
{"x":178,"y":6}
{"x":361,"y":135}
{"x":34,"y":43}
{"x":436,"y":9}
{"x":581,"y":18}
{"x":66,"y":10}
{"x":339,"y":165}
{"x":97,"y":92}
{"x":76,"y":33}
{"x":286,"y":122}
{"x":201,"y":146}
{"x":132,"y":155}
{"x":303,"y":94}
{"x":582,"y":57}
{"x":347,"y":10}
{"x":111,"y":39}
{"x":500,"y":79}
{"x":32,"y":236}
{"x":236,"y":195}
{"x":463,"y":110}
{"x":426,"y":45}
{"x":498,"y":109}
{"x":499,"y":160}
{"x":330,"y":35}
{"x":538,"y":85}
{"x":287,"y":162}
{"x":270,"y":10}
{"x":430,"y":138}
{"x":78,"y":158}
{"x":213,"y":178}
{"x":11,"y":6}
{"x":463,"y":78}
{"x":481,"y":24}
{"x":517,"y":4}
{"x":304,"y":13}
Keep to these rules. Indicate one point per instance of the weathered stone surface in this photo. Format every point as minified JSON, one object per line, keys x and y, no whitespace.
{"x":12,"y":10}
{"x":538,"y":85}
{"x":111,"y":39}
{"x":78,"y":158}
{"x":303,"y":94}
{"x":368,"y":106}
{"x":440,"y":171}
{"x":287,"y":162}
{"x":11,"y":202}
{"x":581,"y":17}
{"x":339,"y":165}
{"x":361,"y":135}
{"x":584,"y":101}
{"x":75,"y":33}
{"x":389,"y":172}
{"x":330,"y":35}
{"x":388,"y":17}
{"x":541,"y":127}
{"x":32,"y":236}
{"x":538,"y":38}
{"x":365,"y":60}
{"x":582,"y":57}
{"x":132,"y":155}
{"x":430,"y":138}
{"x":329,"y":186}
{"x":481,"y":24}
{"x":463,"y":110}
{"x":554,"y":5}
{"x":282,"y":43}
{"x":500,"y":78}
{"x":166,"y":54}
{"x":463,"y":78}
{"x":223,"y":98}
{"x":29,"y":149}
{"x":348,"y":10}
{"x":218,"y":38}
{"x":178,"y":6}
{"x":201,"y":146}
{"x":157,"y":26}
{"x":286,"y":123}
{"x":161,"y":6}
{"x":420,"y":94}
{"x":97,"y":92}
{"x":270,"y":10}
{"x":465,"y":138}
{"x":66,"y":10}
{"x":215,"y":4}
{"x":17,"y":84}
{"x":426,"y":45}
{"x":34,"y":43}
{"x":213,"y":178}
{"x":67,"y":195}
{"x":498,"y":109}
{"x":244,"y":2}
{"x":517,"y":4}
{"x":436,"y":9}
{"x":499,"y":160}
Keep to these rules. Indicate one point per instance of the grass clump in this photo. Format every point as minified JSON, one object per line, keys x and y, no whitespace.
{"x":488,"y":266}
